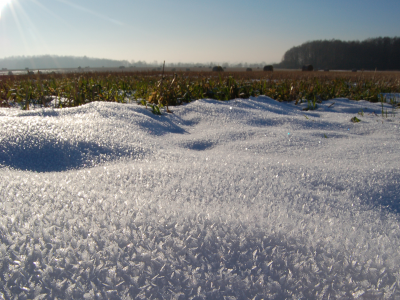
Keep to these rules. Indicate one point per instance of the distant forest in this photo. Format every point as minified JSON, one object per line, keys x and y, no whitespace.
{"x":381,"y":53}
{"x":54,"y":62}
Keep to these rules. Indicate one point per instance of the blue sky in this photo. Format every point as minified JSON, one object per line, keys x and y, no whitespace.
{"x":187,"y":31}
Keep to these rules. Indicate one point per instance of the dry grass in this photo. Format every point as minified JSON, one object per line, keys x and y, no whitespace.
{"x":183,"y":86}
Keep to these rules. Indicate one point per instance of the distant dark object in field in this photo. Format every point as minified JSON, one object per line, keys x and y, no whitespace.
{"x":217,"y":69}
{"x":10,"y":73}
{"x":187,"y":70}
{"x":326,"y":70}
{"x":122,"y":67}
{"x":269,"y":68}
{"x":249,"y":69}
{"x":173,"y":70}
{"x":354,"y":70}
{"x":307,"y":68}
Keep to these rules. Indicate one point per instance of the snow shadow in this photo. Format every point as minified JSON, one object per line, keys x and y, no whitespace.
{"x":384,"y":197}
{"x":52,"y":156}
{"x":157,"y":125}
{"x":264,"y":103}
{"x":160,"y":128}
{"x":199,"y":145}
{"x":342,"y":105}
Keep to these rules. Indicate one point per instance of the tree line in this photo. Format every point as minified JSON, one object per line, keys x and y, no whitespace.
{"x":54,"y":61}
{"x":381,"y":53}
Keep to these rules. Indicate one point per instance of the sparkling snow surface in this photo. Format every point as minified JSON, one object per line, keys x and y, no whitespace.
{"x":244,"y":199}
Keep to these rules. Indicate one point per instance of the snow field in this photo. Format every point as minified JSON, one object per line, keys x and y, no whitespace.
{"x":244,"y":199}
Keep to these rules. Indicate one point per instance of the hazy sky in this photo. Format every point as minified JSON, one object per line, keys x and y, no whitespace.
{"x":185,"y":30}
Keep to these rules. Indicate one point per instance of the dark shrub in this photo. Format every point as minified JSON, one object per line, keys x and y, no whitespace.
{"x":307,"y":68}
{"x":269,"y":68}
{"x":217,"y":69}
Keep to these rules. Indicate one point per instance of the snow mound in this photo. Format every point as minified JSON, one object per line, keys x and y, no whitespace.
{"x":244,"y":199}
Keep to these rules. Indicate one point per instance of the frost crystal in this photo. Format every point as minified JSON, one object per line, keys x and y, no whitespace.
{"x":108,"y":201}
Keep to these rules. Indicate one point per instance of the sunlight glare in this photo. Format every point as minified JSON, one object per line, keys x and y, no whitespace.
{"x":3,"y":3}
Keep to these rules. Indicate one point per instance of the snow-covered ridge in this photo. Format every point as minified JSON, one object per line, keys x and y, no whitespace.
{"x":244,"y":199}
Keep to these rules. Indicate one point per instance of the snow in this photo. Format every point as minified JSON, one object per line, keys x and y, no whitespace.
{"x":243,"y":199}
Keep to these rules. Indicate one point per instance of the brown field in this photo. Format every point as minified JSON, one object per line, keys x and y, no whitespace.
{"x":179,"y":86}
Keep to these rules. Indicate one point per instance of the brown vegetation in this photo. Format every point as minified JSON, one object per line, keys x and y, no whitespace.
{"x":178,"y":87}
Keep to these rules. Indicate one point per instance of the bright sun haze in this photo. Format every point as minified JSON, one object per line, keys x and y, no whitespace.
{"x":3,"y":3}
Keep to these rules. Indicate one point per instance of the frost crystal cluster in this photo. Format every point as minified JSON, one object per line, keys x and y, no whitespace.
{"x":245,"y":199}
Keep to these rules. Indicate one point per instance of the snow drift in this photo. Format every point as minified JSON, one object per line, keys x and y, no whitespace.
{"x":244,"y":199}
